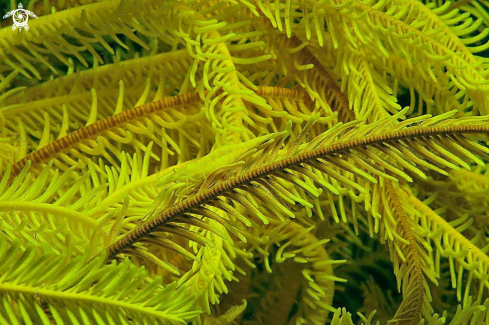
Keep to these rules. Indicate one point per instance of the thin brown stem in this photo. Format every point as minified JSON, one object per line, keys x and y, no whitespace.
{"x":166,"y":216}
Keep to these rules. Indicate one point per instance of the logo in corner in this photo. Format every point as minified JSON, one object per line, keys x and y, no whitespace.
{"x":20,"y":17}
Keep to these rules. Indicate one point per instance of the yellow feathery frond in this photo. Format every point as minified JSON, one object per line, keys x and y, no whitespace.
{"x":45,"y":293}
{"x":452,"y":244}
{"x":369,"y":96}
{"x":244,"y":162}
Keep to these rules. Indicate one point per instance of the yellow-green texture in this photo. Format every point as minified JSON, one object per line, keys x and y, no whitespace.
{"x":245,"y":162}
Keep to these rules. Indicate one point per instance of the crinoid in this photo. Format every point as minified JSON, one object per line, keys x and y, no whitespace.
{"x":245,"y":162}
